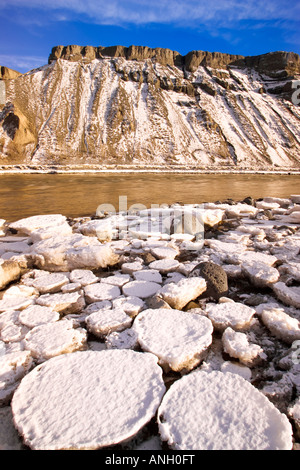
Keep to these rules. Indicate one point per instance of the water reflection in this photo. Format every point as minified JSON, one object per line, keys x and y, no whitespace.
{"x":76,"y":195}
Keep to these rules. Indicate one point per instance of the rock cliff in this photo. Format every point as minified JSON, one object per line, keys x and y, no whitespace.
{"x":140,"y":107}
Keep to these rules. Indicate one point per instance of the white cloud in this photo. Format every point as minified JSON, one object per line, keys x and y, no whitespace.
{"x":189,"y":12}
{"x":22,"y":63}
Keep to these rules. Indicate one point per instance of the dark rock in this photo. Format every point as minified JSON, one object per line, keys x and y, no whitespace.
{"x":249,"y":200}
{"x":215,"y":276}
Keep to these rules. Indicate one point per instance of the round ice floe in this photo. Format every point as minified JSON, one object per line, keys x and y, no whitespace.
{"x":117,"y":279}
{"x":50,"y":283}
{"x":141,"y":289}
{"x":83,"y":276}
{"x":236,"y":315}
{"x":179,"y":339}
{"x":105,"y":321}
{"x":63,"y":303}
{"x":288,"y":295}
{"x":51,"y":339}
{"x":13,"y":366}
{"x":126,"y":339}
{"x":35,"y":315}
{"x":165,"y":266}
{"x":87,"y":400}
{"x":131,"y":305}
{"x":148,"y":275}
{"x":14,"y":303}
{"x":221,"y":411}
{"x":281,"y":325}
{"x":13,"y":332}
{"x":177,"y":295}
{"x":100,"y":291}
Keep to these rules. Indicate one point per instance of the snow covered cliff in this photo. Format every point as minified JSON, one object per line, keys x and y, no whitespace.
{"x":142,"y":107}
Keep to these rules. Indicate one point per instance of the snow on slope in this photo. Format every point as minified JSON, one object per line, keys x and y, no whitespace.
{"x":117,"y":111}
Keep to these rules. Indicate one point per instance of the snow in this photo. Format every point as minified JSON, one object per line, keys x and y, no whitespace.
{"x":164,"y":266}
{"x":177,"y":338}
{"x":63,"y":303}
{"x":51,"y":339}
{"x":103,"y":322}
{"x":164,"y":252}
{"x":67,"y":253}
{"x":50,"y":283}
{"x":226,"y":413}
{"x":129,"y":268}
{"x":46,"y":222}
{"x":237,"y":345}
{"x":260,"y":274}
{"x":177,"y":295}
{"x":117,"y":279}
{"x":288,"y":295}
{"x":280,"y":324}
{"x":237,"y":368}
{"x":126,"y":339}
{"x":131,"y":305}
{"x":14,"y":367}
{"x":142,"y":289}
{"x":15,"y":303}
{"x":101,"y":291}
{"x":230,"y":314}
{"x":151,"y":275}
{"x":35,"y":315}
{"x":83,"y":276}
{"x":117,"y":392}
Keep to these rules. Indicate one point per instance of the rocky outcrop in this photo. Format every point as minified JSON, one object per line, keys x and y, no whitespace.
{"x":8,"y":74}
{"x":141,"y":106}
{"x":274,"y":64}
{"x":87,"y":53}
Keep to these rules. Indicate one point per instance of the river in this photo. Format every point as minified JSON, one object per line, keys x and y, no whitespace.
{"x":72,"y":195}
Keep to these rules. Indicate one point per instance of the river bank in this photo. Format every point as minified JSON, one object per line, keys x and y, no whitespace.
{"x":174,"y":292}
{"x":171,"y":169}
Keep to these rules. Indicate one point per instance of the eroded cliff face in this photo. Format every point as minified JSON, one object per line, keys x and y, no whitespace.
{"x":140,"y":106}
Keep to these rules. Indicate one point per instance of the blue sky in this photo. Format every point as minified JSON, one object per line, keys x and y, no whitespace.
{"x":29,"y":29}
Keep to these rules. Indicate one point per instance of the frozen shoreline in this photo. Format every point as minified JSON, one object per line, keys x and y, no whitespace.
{"x":53,"y":169}
{"x":87,"y":285}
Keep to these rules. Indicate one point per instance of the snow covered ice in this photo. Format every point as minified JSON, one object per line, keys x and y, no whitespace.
{"x":117,"y":392}
{"x":226,"y":413}
{"x":128,"y":315}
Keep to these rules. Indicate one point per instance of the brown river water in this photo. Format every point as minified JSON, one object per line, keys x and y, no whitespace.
{"x":77,"y":195}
